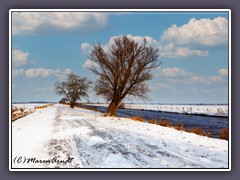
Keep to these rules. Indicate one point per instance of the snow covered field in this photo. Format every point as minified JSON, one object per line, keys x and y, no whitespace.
{"x":216,"y":110}
{"x":61,"y":137}
{"x":28,"y":105}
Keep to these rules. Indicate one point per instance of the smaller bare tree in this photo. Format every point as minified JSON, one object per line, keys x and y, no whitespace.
{"x":73,"y":89}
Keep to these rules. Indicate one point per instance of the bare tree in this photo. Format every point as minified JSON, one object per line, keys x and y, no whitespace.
{"x":123,"y":70}
{"x":73,"y":89}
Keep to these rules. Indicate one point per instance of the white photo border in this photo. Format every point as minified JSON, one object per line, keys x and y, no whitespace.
{"x":119,"y":10}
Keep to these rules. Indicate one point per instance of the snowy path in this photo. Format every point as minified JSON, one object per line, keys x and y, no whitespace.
{"x":87,"y":140}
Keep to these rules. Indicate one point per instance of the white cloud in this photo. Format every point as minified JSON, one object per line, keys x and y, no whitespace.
{"x":61,"y":75}
{"x":40,"y":72}
{"x":204,"y":32}
{"x":151,"y":41}
{"x":44,"y":73}
{"x":17,"y":72}
{"x":223,"y":72}
{"x":177,"y":79}
{"x":25,"y":23}
{"x":194,"y":79}
{"x":19,"y":57}
{"x":85,"y":47}
{"x":213,"y":79}
{"x":158,"y":86}
{"x":88,"y":63}
{"x":183,"y":52}
{"x":175,"y":76}
{"x":67,"y":71}
{"x":174,"y":72}
{"x":168,"y":50}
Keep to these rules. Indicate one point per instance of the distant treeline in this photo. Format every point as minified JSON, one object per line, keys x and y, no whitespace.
{"x":33,"y":102}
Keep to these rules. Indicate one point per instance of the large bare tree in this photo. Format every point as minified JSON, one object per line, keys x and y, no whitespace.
{"x":73,"y":89}
{"x":123,"y":69}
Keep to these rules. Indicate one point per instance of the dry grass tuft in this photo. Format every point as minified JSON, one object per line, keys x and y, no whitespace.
{"x":198,"y":131}
{"x":179,"y":126}
{"x":208,"y":133}
{"x":137,"y":118}
{"x":42,"y":106}
{"x":165,"y":123}
{"x":224,"y":134}
{"x":153,"y":122}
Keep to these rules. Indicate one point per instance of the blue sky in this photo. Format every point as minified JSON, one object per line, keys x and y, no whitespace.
{"x":193,"y":49}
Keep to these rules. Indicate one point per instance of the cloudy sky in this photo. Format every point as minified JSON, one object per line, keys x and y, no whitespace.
{"x":193,"y":49}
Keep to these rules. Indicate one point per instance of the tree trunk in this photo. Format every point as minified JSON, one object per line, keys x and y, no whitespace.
{"x":112,"y":108}
{"x":72,"y":104}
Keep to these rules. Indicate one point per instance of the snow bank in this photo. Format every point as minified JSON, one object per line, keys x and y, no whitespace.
{"x":21,"y":110}
{"x":215,"y":110}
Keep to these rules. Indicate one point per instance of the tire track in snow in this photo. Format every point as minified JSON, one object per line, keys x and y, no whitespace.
{"x":140,"y":153}
{"x":111,"y":144}
{"x":106,"y":146}
{"x":59,"y":146}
